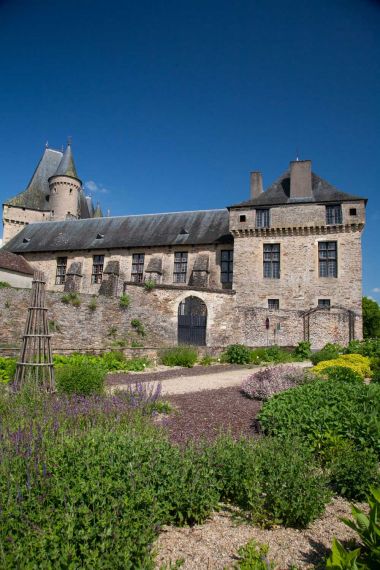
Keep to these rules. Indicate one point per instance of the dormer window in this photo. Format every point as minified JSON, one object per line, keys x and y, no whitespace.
{"x":243,"y":218}
{"x":262,"y":218}
{"x":334,"y":214}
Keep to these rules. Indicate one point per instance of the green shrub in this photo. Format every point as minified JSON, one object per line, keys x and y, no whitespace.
{"x":4,"y":284}
{"x":237,"y":354}
{"x":81,"y":378}
{"x":93,"y":304}
{"x":323,"y":409}
{"x":253,"y":556}
{"x":302,"y":351}
{"x":207,"y":360}
{"x":137,"y":364}
{"x":352,"y":471}
{"x":358,"y":363}
{"x":149,"y":284}
{"x":7,"y":369}
{"x":273,"y":354}
{"x":276,"y":481}
{"x":124,"y":301}
{"x":341,"y":374}
{"x":179,"y":356}
{"x":71,"y":299}
{"x":138,"y":326}
{"x":328,"y":352}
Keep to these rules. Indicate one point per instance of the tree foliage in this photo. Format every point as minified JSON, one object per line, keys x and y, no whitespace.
{"x":371,"y":318}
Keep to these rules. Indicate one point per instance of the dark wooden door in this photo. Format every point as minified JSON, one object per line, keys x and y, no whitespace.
{"x":192,"y":322}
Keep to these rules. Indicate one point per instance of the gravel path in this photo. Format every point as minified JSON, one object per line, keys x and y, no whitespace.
{"x":183,"y":381}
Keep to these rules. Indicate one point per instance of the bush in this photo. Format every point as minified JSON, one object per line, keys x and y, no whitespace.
{"x":351,"y":471}
{"x":356,"y":362}
{"x":4,"y":284}
{"x":328,"y":352}
{"x":179,"y":356}
{"x":371,"y":318}
{"x":138,"y":326}
{"x":253,"y":556}
{"x":237,"y":354}
{"x":273,"y":354}
{"x":341,"y":374}
{"x":71,"y":299}
{"x":149,"y":284}
{"x":276,"y":481}
{"x":7,"y":369}
{"x":263,"y":384}
{"x":81,"y":378}
{"x":124,"y":301}
{"x":302,"y":350}
{"x":324,"y":409}
{"x":375,"y":367}
{"x":93,"y":304}
{"x":207,"y":360}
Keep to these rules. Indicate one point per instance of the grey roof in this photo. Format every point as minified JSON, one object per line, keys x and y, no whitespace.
{"x":204,"y":227}
{"x":279,"y":193}
{"x":67,"y":166}
{"x":34,"y":196}
{"x":15,"y":263}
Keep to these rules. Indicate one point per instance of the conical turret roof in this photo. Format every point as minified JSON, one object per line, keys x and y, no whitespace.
{"x":67,"y":165}
{"x":97,"y":212}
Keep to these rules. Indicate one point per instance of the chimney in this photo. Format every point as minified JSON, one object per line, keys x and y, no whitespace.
{"x":256,"y":184}
{"x":300,"y":179}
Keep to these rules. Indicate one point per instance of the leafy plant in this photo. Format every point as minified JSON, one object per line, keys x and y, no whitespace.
{"x":254,"y":556}
{"x":7,"y":369}
{"x":368,"y":529}
{"x":328,"y":352}
{"x":302,"y":350}
{"x":112,"y":331}
{"x":341,"y":374}
{"x":138,"y":326}
{"x":358,"y":363}
{"x":4,"y":284}
{"x":81,"y":378}
{"x":263,"y":384}
{"x":93,"y":304}
{"x":71,"y":299}
{"x":371,"y":318}
{"x":124,"y":301}
{"x":320,"y":408}
{"x":206,"y":360}
{"x":237,"y":354}
{"x":179,"y":356}
{"x":54,"y":326}
{"x":149,"y":284}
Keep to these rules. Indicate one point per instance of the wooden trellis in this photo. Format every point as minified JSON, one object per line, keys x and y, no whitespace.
{"x":35,"y":366}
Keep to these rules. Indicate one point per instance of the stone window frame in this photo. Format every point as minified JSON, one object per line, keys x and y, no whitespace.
{"x":226,"y":265}
{"x":180,"y":266}
{"x":334,"y":214}
{"x":262,"y":218}
{"x":97,"y":269}
{"x":271,"y":260}
{"x":274,"y":304}
{"x":328,"y":259}
{"x":60,"y":274}
{"x":137,"y":271}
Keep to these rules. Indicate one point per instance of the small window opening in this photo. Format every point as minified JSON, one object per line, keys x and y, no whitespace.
{"x":99,"y":236}
{"x":274,"y":304}
{"x":324,"y":303}
{"x":243,"y":218}
{"x":352,"y":211}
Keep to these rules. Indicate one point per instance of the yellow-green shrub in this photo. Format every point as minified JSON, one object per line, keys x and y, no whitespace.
{"x":358,"y":363}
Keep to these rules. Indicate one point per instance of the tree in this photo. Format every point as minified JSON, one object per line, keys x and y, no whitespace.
{"x":371,"y":318}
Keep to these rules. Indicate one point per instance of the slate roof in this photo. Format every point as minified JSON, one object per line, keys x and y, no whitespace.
{"x":67,"y":166}
{"x":202,"y":227}
{"x":15,"y":263}
{"x":34,"y":196}
{"x":279,"y":193}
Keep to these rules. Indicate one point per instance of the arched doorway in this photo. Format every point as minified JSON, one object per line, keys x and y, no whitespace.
{"x":192,"y":321}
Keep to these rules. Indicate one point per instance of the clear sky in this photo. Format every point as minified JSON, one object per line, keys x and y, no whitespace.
{"x":171,"y":103}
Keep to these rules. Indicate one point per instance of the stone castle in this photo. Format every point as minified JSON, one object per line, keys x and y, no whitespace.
{"x":280,"y":267}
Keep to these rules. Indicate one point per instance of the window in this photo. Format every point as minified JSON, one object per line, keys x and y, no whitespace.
{"x":328,"y":261}
{"x":180,"y":267}
{"x":97,"y":268}
{"x":334,"y":214}
{"x":60,"y":275}
{"x":274,"y":304}
{"x":138,"y":267}
{"x":243,"y":218}
{"x":272,"y":260}
{"x":262,"y":218}
{"x":226,"y":265}
{"x":324,"y":303}
{"x":352,"y":211}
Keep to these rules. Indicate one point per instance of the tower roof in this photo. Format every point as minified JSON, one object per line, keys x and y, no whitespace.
{"x":35,"y":194}
{"x":98,"y":211}
{"x":67,"y":165}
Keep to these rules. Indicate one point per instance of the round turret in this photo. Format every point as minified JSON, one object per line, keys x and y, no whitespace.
{"x":65,"y":188}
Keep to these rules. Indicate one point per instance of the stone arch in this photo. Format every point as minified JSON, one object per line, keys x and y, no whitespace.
{"x":192,"y":321}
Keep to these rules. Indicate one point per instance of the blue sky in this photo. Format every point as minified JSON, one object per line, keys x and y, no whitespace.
{"x":170,"y":104}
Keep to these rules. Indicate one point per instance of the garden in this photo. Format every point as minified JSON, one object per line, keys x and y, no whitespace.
{"x":91,"y":477}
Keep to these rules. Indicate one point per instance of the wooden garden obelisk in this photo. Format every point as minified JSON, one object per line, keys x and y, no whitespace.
{"x":35,"y":366}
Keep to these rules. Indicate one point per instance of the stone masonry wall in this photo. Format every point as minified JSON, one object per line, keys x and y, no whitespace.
{"x":15,"y":218}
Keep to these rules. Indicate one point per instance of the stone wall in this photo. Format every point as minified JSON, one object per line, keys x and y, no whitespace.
{"x":85,"y":329}
{"x":15,"y":218}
